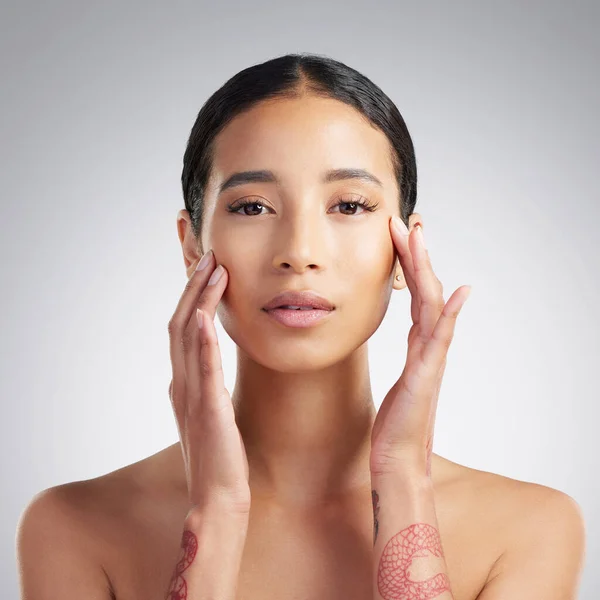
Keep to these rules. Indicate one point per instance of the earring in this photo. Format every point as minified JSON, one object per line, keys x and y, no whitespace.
{"x":398,"y":277}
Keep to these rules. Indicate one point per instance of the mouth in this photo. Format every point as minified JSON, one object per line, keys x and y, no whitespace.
{"x":284,"y":307}
{"x":299,"y":300}
{"x":295,"y":316}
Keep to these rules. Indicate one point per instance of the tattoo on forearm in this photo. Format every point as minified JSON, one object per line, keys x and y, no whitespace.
{"x":393,"y":578}
{"x":375,"y":498}
{"x":178,"y":586}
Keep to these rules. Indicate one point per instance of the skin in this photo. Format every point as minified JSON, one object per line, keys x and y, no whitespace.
{"x":302,"y":399}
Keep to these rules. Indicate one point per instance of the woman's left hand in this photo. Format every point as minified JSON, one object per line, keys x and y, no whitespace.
{"x":402,"y":435}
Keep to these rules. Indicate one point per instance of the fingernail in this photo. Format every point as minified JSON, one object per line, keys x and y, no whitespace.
{"x":421,"y":236}
{"x":216,"y":275}
{"x":204,"y":261}
{"x":200,"y":318}
{"x":399,"y":225}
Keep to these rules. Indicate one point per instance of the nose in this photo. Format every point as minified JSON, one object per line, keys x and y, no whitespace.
{"x":299,"y":246}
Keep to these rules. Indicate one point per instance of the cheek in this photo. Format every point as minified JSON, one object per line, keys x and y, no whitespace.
{"x":233,"y":243}
{"x":371,"y":261}
{"x":243,"y":297}
{"x":232,"y":248}
{"x":371,"y":281}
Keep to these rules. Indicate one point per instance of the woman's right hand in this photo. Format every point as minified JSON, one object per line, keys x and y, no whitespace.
{"x":213,"y":451}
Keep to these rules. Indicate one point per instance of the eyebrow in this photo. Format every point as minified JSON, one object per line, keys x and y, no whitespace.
{"x":264,"y":176}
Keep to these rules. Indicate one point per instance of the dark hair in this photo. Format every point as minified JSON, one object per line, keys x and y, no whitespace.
{"x":291,"y":76}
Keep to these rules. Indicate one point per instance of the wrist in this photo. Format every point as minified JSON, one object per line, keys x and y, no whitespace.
{"x":402,"y":479}
{"x":217,"y":510}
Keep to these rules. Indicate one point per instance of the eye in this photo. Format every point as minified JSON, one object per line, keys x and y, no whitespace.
{"x":365,"y":204}
{"x":362,"y":202}
{"x":234,"y":208}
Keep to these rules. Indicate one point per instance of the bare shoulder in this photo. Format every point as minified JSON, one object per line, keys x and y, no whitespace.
{"x":114,"y":527}
{"x":515,"y":504}
{"x":107,"y":504}
{"x":54,"y":537}
{"x":518,"y":515}
{"x":85,"y":509}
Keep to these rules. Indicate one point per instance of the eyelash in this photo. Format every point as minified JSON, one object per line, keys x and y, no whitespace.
{"x":363,"y":202}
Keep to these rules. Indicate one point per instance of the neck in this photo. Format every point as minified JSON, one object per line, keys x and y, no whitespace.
{"x":307,"y":435}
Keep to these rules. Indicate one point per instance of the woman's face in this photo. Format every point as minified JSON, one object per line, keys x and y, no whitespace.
{"x":297,"y":237}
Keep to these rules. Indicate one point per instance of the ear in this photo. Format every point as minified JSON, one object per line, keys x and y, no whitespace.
{"x":189,"y":243}
{"x":399,"y":284}
{"x":413,"y":220}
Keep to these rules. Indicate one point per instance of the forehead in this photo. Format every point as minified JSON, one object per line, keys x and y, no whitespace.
{"x":299,"y":139}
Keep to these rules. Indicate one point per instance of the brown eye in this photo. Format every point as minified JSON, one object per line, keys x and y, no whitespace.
{"x":350,"y":207}
{"x":354,"y":205}
{"x":243,"y":204}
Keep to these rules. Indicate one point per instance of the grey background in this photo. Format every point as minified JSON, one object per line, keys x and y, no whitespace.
{"x":97,"y":101}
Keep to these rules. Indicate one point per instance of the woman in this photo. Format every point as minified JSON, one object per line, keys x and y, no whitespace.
{"x":295,"y":486}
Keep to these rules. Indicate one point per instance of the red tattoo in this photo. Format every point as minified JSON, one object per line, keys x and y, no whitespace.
{"x":178,"y":587}
{"x":375,"y":499}
{"x":417,"y":541}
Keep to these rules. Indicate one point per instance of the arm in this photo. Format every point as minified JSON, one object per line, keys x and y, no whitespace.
{"x":211,"y":554}
{"x":408,"y":553}
{"x":410,"y":563}
{"x":545,"y":559}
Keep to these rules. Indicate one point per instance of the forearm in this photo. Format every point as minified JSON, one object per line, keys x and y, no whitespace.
{"x":408,"y":557}
{"x":211,"y":554}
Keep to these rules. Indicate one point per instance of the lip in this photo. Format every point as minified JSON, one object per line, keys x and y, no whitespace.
{"x":299,"y":298}
{"x":298,"y":318}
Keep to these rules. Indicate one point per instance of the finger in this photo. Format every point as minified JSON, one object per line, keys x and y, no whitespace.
{"x":429,"y":286}
{"x":179,"y":323}
{"x":202,"y":355}
{"x":436,"y":349}
{"x":433,"y":413}
{"x":424,"y":383}
{"x":402,"y":244}
{"x":205,"y":379}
